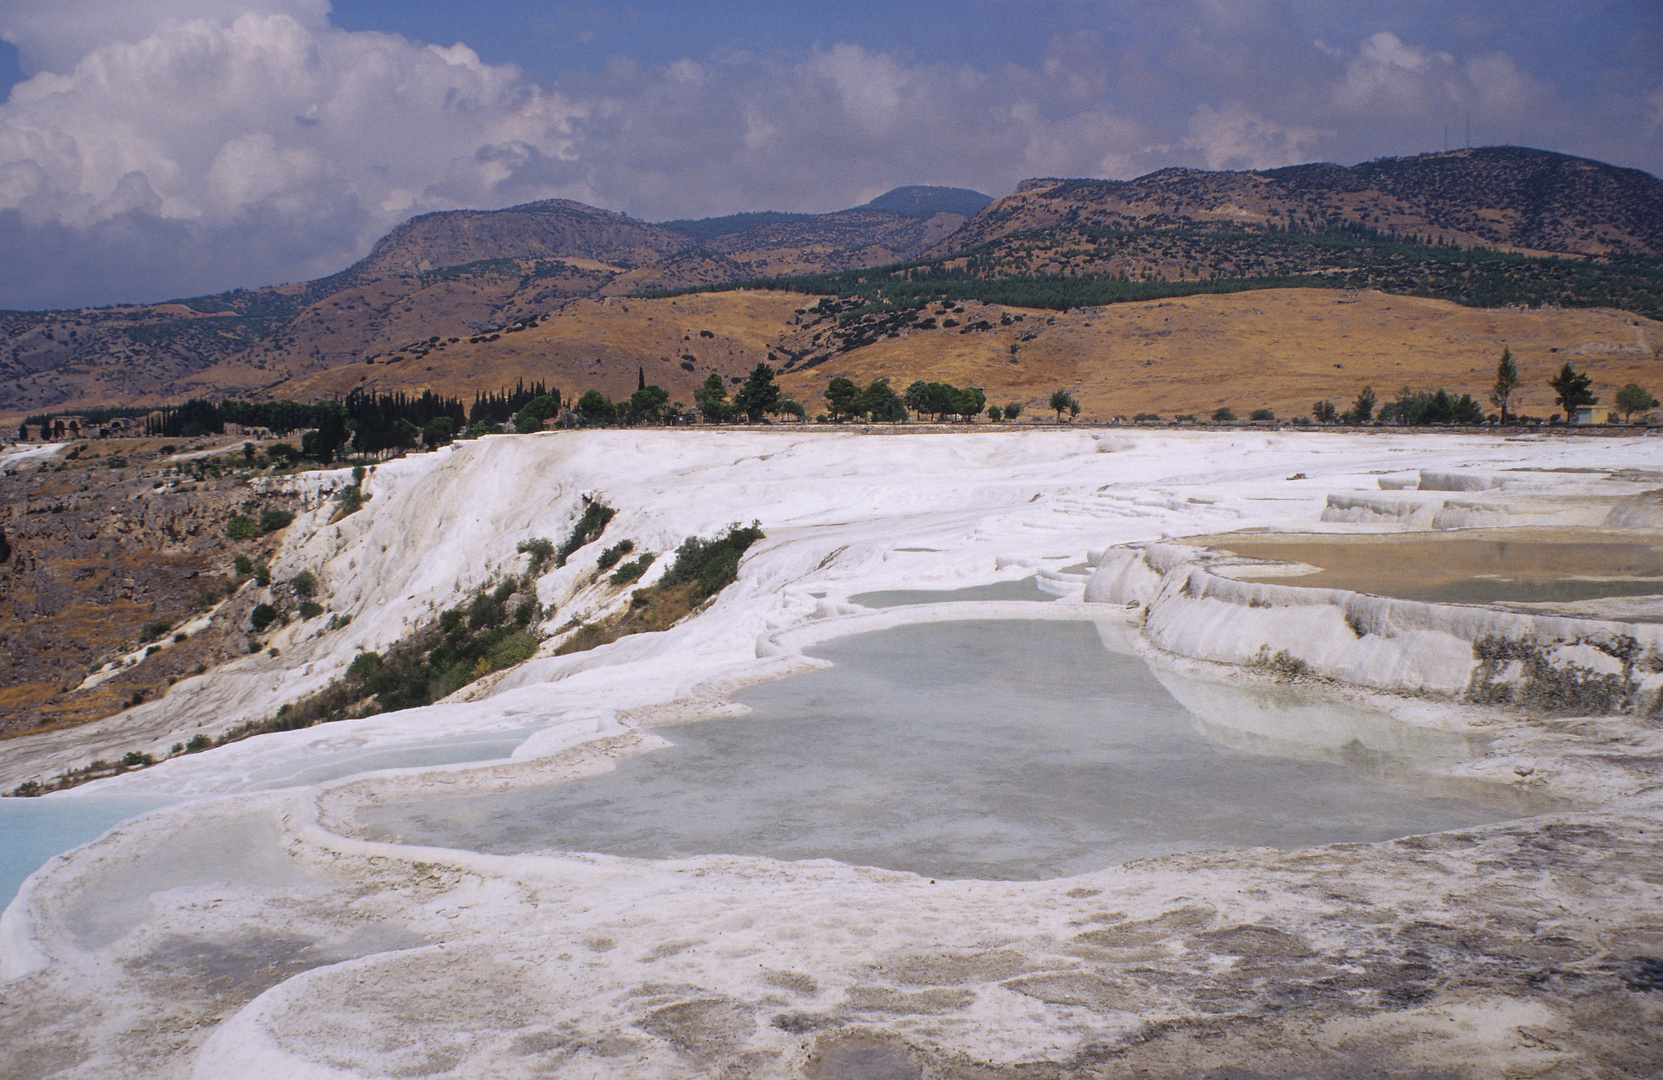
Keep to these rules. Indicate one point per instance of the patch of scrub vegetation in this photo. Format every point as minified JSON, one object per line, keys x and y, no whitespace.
{"x":1283,"y":665}
{"x":495,"y":629}
{"x":588,"y":529}
{"x":702,"y":569}
{"x":1080,"y":266}
{"x":1539,"y":681}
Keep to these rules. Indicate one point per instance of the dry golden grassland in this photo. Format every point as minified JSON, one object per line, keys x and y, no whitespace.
{"x":1276,"y":349}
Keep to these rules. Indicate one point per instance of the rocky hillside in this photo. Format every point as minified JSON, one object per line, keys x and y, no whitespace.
{"x":117,"y":575}
{"x":452,"y":274}
{"x":1499,"y":197}
{"x":1469,"y":226}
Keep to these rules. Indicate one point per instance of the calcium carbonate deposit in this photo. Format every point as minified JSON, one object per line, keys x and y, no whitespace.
{"x":974,"y":771}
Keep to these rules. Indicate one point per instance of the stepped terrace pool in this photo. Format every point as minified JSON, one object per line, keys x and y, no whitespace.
{"x":1487,"y":566}
{"x":983,"y":749}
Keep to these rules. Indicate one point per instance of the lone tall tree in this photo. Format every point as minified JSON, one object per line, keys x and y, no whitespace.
{"x":1363,"y":407}
{"x":711,"y":397}
{"x":759,"y":395}
{"x":1570,"y":389}
{"x":1507,"y":377}
{"x":1062,"y":401}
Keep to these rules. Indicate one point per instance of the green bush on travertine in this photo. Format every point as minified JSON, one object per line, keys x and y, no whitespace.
{"x":587,"y":530}
{"x":272,"y":520}
{"x":363,"y":665}
{"x":262,"y":616}
{"x":526,"y":611}
{"x":243,"y":565}
{"x":242,"y":527}
{"x":632,"y":570}
{"x":711,"y":564}
{"x":611,"y":555}
{"x":154,"y":630}
{"x":310,"y":609}
{"x":541,"y":551}
{"x":304,"y":584}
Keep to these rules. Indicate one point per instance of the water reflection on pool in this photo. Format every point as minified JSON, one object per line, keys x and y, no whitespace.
{"x":990,"y":749}
{"x":1023,"y":589}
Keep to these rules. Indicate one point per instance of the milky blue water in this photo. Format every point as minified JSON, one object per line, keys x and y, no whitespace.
{"x":987,"y":749}
{"x":1025,"y":589}
{"x":34,"y":830}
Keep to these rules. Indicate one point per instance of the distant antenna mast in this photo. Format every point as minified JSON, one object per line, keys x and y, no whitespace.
{"x":1469,"y":131}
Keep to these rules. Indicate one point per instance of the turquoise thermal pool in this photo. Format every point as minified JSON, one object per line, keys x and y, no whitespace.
{"x":986,"y":749}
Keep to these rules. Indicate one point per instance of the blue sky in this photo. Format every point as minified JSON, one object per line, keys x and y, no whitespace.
{"x":168,"y":147}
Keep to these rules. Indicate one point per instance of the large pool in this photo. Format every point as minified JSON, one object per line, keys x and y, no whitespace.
{"x":986,"y":749}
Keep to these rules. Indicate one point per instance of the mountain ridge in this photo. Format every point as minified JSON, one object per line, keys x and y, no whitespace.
{"x":465,"y":273}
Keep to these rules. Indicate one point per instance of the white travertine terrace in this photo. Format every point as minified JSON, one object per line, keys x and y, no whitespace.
{"x":250,"y":933}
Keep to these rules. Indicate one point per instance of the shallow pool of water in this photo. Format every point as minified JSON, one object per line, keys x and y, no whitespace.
{"x":988,"y":749}
{"x":1024,"y":589}
{"x":1493,"y":566}
{"x":34,"y":830}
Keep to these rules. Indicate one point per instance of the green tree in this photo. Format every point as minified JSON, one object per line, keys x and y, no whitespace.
{"x":792,"y":407}
{"x":1062,"y":401}
{"x":595,"y":409}
{"x":1570,"y":389}
{"x":242,"y":527}
{"x":439,"y":431}
{"x":405,"y":434}
{"x":534,"y":412}
{"x":995,"y":413}
{"x":322,"y":443}
{"x":917,"y":397}
{"x":1224,"y":415}
{"x":646,"y":405}
{"x":712,"y":399}
{"x":1013,"y":409}
{"x":304,"y":584}
{"x":1634,"y":398}
{"x":968,"y":403}
{"x":841,"y":395}
{"x":760,"y":394}
{"x":1362,"y":410}
{"x":881,"y":403}
{"x":1507,"y":378}
{"x":1324,"y":412}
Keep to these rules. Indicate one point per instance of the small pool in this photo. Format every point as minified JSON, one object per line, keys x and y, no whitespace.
{"x":1490,"y":566}
{"x":985,"y":749}
{"x":34,"y":830}
{"x":1023,"y":589}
